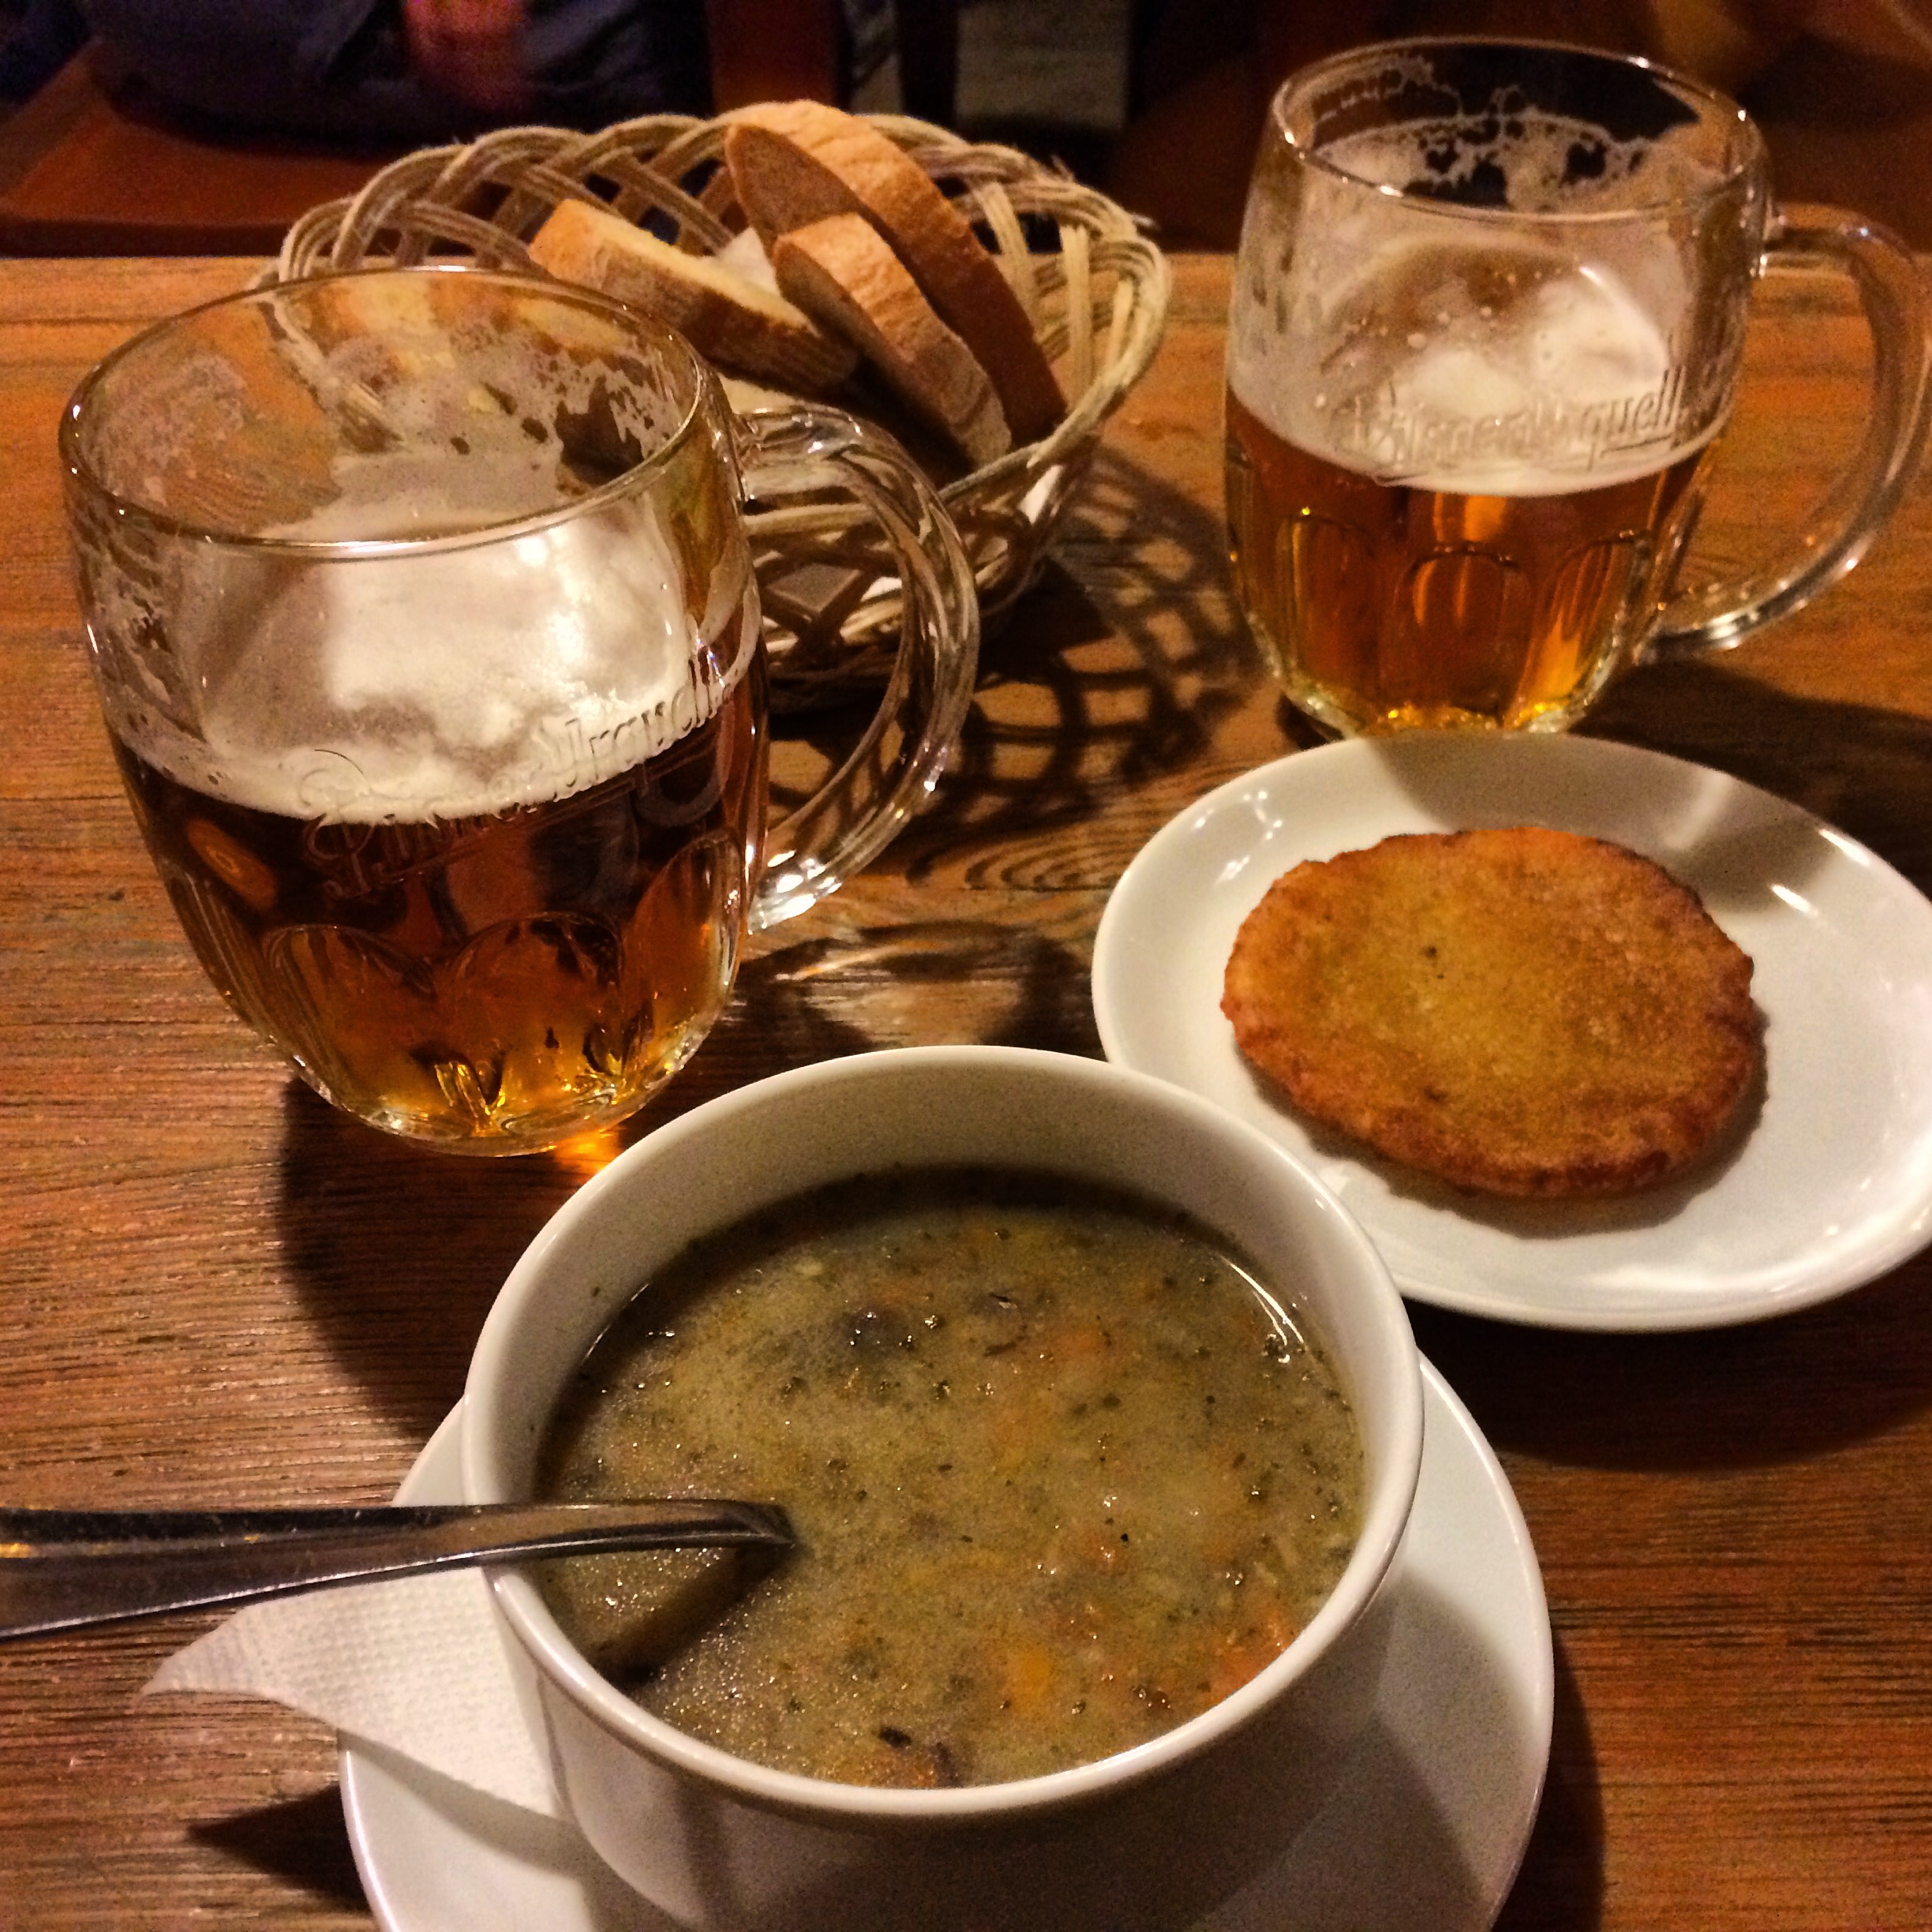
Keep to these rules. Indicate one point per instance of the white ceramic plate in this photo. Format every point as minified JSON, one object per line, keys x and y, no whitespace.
{"x":1427,"y":1829}
{"x":1830,"y":1182}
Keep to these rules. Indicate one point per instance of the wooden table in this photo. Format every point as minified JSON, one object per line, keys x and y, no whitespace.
{"x":212,"y":1289}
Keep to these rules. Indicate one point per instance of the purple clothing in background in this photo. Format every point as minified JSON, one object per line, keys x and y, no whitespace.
{"x":339,"y":69}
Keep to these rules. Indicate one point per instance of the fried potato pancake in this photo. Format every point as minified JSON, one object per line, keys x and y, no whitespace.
{"x":1520,"y":1011}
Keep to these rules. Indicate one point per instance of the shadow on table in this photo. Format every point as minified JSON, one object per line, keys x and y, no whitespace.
{"x":1866,"y":770}
{"x":936,"y":981}
{"x":1710,"y":1398}
{"x":398,"y":1250}
{"x":1560,"y":1885}
{"x":302,"y":1841}
{"x":1114,"y":670}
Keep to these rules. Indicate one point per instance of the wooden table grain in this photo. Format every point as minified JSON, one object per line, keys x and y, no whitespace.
{"x":212,"y":1289}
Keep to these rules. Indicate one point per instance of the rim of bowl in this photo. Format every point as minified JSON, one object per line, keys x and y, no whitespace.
{"x":520,"y":1603}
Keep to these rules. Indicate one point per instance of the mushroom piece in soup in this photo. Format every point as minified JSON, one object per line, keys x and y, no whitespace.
{"x":1063,"y":1473}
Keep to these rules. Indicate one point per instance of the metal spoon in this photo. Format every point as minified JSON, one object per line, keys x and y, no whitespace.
{"x":64,"y":1569}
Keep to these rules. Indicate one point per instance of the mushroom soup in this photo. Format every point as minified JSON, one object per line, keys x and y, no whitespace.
{"x":1064,"y":1475}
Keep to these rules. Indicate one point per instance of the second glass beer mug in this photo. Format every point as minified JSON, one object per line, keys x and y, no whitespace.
{"x":421,"y":610}
{"x":1488,"y":316}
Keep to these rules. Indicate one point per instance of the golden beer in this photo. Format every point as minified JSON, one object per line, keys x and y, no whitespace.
{"x":1380,"y":604}
{"x":520,"y":974}
{"x":422,"y":607}
{"x":467,"y":826}
{"x":1487,"y":321}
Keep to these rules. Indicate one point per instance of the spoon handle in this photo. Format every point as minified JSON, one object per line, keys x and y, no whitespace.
{"x":64,"y":1569}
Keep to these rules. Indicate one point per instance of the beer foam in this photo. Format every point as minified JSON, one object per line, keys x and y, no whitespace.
{"x":1389,"y":316}
{"x":449,"y":682}
{"x":1504,"y":371}
{"x":412,"y":491}
{"x":1527,"y":162}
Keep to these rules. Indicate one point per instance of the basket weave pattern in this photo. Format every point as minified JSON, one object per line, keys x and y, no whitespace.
{"x":1095,"y":288}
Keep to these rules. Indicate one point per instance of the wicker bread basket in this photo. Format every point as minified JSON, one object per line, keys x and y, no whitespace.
{"x":1095,"y":287}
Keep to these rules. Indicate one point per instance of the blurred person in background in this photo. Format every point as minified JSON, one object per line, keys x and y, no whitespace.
{"x":383,"y":71}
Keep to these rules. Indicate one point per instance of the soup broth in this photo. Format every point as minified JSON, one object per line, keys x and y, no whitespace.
{"x":1064,"y":1474}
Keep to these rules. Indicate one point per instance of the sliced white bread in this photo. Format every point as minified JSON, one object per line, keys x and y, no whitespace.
{"x":744,"y":395}
{"x":794,"y":163}
{"x":725,"y":314}
{"x":841,"y":271}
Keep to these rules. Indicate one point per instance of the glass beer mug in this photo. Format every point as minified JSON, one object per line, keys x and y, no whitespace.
{"x":1487,"y":315}
{"x":420,"y":606}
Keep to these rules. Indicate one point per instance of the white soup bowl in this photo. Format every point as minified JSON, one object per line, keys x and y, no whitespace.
{"x":1135,"y":1843}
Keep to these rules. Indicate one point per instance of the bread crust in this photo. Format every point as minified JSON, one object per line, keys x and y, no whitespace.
{"x":728,"y":317}
{"x":841,"y":271}
{"x":1520,"y":1011}
{"x":794,"y":163}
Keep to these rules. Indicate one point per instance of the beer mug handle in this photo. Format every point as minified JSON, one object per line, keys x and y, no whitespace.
{"x":1851,"y":513}
{"x":851,"y":817}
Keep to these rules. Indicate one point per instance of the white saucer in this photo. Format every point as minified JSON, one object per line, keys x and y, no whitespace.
{"x":1427,"y":1829}
{"x":1828,"y":1185}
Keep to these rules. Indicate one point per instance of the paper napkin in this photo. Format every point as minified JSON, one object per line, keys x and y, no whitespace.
{"x":417,"y":1664}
